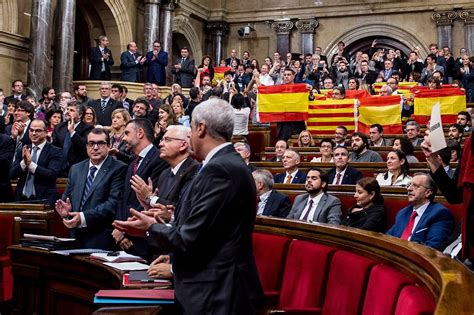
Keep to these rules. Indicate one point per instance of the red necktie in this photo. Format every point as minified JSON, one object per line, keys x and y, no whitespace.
{"x":338,"y":178}
{"x":136,"y":163}
{"x":407,"y":231}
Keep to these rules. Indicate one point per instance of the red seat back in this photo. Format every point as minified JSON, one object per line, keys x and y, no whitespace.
{"x":347,"y":282}
{"x":7,"y":224}
{"x":415,"y":300}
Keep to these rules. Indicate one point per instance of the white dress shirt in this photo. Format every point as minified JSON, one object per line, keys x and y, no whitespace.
{"x":263,"y":202}
{"x":342,"y":176}
{"x":420,"y":210}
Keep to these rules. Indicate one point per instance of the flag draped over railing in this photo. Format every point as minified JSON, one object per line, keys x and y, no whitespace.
{"x":403,"y":87}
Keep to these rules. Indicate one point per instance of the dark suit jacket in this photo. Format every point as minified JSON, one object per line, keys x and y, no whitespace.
{"x":48,"y":169}
{"x":433,"y":228}
{"x":185,"y":75}
{"x":104,"y":119}
{"x":95,"y":57}
{"x":211,"y":240}
{"x":25,"y":140}
{"x":77,"y":151}
{"x":300,"y":178}
{"x":228,"y":61}
{"x":7,"y":150}
{"x":130,"y":69}
{"x":8,"y":98}
{"x":156,"y":72}
{"x":101,"y":203}
{"x":351,"y":176}
{"x":278,"y":205}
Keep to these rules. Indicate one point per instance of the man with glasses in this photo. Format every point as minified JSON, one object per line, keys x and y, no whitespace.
{"x":17,"y":92}
{"x":412,"y":130}
{"x":105,"y":105}
{"x":423,"y":221}
{"x":156,"y":60}
{"x":37,"y":166}
{"x":92,"y":195}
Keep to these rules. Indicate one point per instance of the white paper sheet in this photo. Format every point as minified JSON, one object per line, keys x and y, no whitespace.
{"x":127,"y":266}
{"x":438,"y":142}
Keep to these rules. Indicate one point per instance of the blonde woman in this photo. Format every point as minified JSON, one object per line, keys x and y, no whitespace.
{"x":120,"y":118}
{"x":305,"y":139}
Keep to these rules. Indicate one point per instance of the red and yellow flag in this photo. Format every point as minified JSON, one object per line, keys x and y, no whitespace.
{"x":403,"y":87}
{"x":452,"y":101}
{"x":383,"y":110}
{"x":326,"y":115}
{"x":285,"y":102}
{"x":219,"y":73}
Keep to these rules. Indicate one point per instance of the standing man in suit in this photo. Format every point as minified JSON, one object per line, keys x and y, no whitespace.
{"x":7,"y":150}
{"x":343,"y":173}
{"x":71,"y":136}
{"x":130,"y":63}
{"x":270,"y":202}
{"x":17,"y":92}
{"x":211,"y":238}
{"x":156,"y":60}
{"x":101,"y":60}
{"x":423,"y":221}
{"x":183,"y":69}
{"x":316,"y":205}
{"x":92,"y":195}
{"x":19,"y":130}
{"x":233,"y":56}
{"x":37,"y":166}
{"x":105,"y":105}
{"x":292,"y":175}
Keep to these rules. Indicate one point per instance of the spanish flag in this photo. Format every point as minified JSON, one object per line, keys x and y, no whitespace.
{"x":326,"y":115}
{"x":383,"y":110}
{"x":284,"y":102}
{"x":403,"y":87}
{"x":219,"y":73}
{"x":452,"y":101}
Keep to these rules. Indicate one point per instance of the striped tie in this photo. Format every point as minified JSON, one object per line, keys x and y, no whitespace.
{"x":89,"y":181}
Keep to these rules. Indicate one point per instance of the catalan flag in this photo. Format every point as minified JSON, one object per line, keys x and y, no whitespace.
{"x":326,"y":115}
{"x":403,"y":87}
{"x":284,"y":102}
{"x":383,"y":110}
{"x":452,"y":101}
{"x":219,"y":73}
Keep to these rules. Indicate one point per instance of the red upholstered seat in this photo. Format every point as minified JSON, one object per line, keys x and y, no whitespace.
{"x":415,"y":300}
{"x":347,"y":283}
{"x":305,"y":276}
{"x":270,"y":255}
{"x":7,"y":224}
{"x":383,"y":289}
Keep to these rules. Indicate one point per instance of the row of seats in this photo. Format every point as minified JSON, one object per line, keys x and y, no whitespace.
{"x":7,"y":228}
{"x":303,"y":277}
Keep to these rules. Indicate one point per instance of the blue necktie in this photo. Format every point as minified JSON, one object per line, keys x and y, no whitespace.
{"x":89,"y":181}
{"x":104,"y":104}
{"x":30,"y":181}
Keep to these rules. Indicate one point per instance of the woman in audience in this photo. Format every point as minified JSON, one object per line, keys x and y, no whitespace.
{"x":207,"y":68}
{"x":405,"y":145}
{"x":465,"y":75}
{"x":326,"y":147}
{"x":241,"y":114}
{"x":179,"y":113}
{"x":52,"y":119}
{"x":166,"y":118}
{"x":120,"y":118}
{"x":398,"y":169}
{"x":338,"y":93}
{"x":255,"y":63}
{"x":89,"y":117}
{"x":9,"y":117}
{"x":369,"y":212}
{"x":353,"y":83}
{"x":305,"y":139}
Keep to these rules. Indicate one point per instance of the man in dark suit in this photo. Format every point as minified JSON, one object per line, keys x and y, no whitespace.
{"x":37,"y":166}
{"x":280,"y":147}
{"x":17,"y":92}
{"x":244,"y":150}
{"x":130,"y":63}
{"x":71,"y":136}
{"x":105,"y":105}
{"x":343,"y":173}
{"x":213,"y":265}
{"x":233,"y":56}
{"x":156,"y":60}
{"x":316,"y":205}
{"x":20,"y":129}
{"x":7,"y":150}
{"x":100,"y":59}
{"x":270,"y":202}
{"x":183,"y":69}
{"x":92,"y":195}
{"x":292,"y":175}
{"x":423,"y":221}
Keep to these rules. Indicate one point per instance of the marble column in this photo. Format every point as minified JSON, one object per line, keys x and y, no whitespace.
{"x":218,"y":31}
{"x":444,"y":21}
{"x":306,"y":29}
{"x":283,"y":30}
{"x":152,"y":23}
{"x":64,"y":43}
{"x":39,"y":57}
{"x":167,"y":35}
{"x":468,"y":17}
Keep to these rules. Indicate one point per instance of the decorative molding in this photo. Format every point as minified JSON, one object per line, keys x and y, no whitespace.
{"x":307,"y":26}
{"x":444,"y":17}
{"x":282,"y":27}
{"x":218,"y":28}
{"x":169,"y":5}
{"x":467,"y":16}
{"x":181,"y":25}
{"x":120,"y":13}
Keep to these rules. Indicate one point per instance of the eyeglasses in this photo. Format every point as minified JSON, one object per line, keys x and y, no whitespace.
{"x":169,"y":139}
{"x":416,"y":186}
{"x":36,"y":130}
{"x":100,"y":144}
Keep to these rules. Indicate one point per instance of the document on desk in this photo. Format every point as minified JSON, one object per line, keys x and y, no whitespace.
{"x":117,"y":257}
{"x":127,"y":266}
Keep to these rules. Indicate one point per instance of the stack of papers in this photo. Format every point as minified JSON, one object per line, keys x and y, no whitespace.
{"x":134,"y":297}
{"x":117,"y":257}
{"x":47,"y":242}
{"x":127,"y":266}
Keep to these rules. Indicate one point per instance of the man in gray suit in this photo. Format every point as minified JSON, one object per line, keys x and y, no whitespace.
{"x":93,"y":193}
{"x":316,"y":205}
{"x":183,"y":69}
{"x":130,"y":63}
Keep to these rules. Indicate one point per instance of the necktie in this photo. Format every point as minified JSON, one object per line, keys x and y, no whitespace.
{"x":89,"y":181}
{"x":183,"y":59}
{"x":407,"y":231}
{"x":103,"y":105}
{"x":165,"y":189}
{"x":258,"y":202}
{"x":30,"y":181}
{"x":288,"y":179}
{"x":338,"y":178}
{"x":306,"y":215}
{"x":136,"y":163}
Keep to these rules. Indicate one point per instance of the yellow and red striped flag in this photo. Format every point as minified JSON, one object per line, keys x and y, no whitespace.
{"x":383,"y":110}
{"x":326,"y":115}
{"x":452,"y":101}
{"x":403,"y":87}
{"x":284,"y":102}
{"x":219,"y":73}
